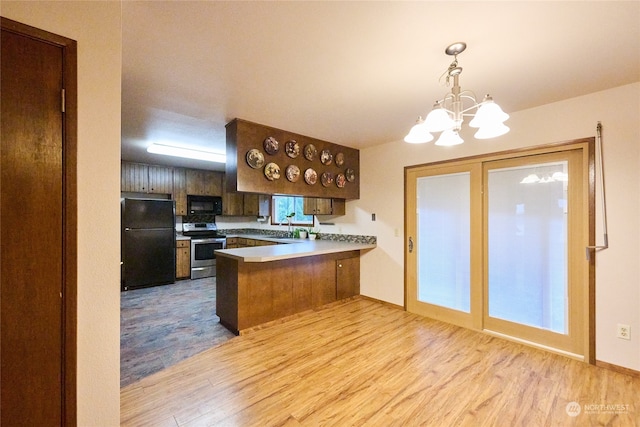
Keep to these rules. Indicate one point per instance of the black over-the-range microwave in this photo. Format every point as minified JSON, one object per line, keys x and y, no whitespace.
{"x":204,"y":205}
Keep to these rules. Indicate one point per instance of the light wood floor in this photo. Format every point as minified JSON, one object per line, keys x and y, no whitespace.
{"x":365,"y":363}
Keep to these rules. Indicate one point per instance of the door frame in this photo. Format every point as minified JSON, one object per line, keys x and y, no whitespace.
{"x":586,"y":144}
{"x":69,"y":206}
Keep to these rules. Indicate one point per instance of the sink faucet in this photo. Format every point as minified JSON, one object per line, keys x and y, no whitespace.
{"x":289,"y":233}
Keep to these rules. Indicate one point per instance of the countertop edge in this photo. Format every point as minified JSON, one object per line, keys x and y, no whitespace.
{"x":292,"y":250}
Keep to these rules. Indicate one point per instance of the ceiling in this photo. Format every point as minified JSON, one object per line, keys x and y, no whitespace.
{"x":353,"y":73}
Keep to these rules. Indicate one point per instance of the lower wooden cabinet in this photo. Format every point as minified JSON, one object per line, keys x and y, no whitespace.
{"x":347,"y":277}
{"x":183,"y":259}
{"x":244,"y":242}
{"x":252,"y":293}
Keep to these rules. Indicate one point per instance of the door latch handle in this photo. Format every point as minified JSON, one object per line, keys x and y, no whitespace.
{"x":410,"y":245}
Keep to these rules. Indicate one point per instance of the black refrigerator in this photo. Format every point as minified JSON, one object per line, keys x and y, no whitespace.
{"x":148,"y":243}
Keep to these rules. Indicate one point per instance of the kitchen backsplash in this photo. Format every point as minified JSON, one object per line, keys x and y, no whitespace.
{"x":351,"y":238}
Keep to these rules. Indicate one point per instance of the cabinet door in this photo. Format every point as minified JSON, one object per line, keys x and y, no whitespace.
{"x":204,"y":183}
{"x":323,"y":289}
{"x":347,"y":277}
{"x":323,"y":207}
{"x":183,"y":259}
{"x":195,"y":182}
{"x":160,"y":179}
{"x":213,"y":183}
{"x":232,"y":201}
{"x":338,"y":207}
{"x":250,"y":205}
{"x":318,"y":206}
{"x":309,"y":206}
{"x":180,"y":190}
{"x":134,"y":177}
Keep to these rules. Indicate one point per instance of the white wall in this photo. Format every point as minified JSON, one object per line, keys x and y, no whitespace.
{"x":617,"y":268}
{"x":96,"y":26}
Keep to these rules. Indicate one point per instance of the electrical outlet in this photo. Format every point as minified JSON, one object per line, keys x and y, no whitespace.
{"x":624,"y":332}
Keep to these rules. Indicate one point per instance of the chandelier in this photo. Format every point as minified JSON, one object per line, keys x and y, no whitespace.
{"x":448,"y":113}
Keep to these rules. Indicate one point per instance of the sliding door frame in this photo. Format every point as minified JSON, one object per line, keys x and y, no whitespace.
{"x":587,"y":147}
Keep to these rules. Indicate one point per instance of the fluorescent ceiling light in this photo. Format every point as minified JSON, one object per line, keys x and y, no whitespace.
{"x":188,"y":153}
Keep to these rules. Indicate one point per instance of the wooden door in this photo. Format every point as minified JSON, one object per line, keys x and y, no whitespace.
{"x":38,"y":205}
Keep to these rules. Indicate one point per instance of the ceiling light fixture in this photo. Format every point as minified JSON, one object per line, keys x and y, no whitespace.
{"x":449,"y":112}
{"x":188,"y":153}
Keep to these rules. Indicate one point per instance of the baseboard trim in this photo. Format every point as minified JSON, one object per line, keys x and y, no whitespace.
{"x":379,"y":301}
{"x":617,"y":368}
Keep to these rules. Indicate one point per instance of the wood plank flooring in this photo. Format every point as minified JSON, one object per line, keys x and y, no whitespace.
{"x":163,"y":325}
{"x":364,"y":363}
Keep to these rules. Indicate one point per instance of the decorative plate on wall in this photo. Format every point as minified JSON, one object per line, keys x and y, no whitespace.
{"x":310,"y":152}
{"x":341,"y":180}
{"x":326,"y":157}
{"x":292,"y":173}
{"x":310,"y":176}
{"x":350,"y":174}
{"x":271,"y":146}
{"x":339,"y":159}
{"x":326,"y":179}
{"x":292,"y":148}
{"x":255,"y":158}
{"x":272,"y":171}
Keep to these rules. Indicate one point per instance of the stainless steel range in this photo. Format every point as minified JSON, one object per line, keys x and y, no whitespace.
{"x":204,"y":241}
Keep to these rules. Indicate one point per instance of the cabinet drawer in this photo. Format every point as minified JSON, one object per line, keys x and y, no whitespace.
{"x":232,"y":241}
{"x":182,"y":243}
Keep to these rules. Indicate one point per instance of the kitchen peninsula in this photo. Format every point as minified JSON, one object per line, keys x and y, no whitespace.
{"x":256,"y":285}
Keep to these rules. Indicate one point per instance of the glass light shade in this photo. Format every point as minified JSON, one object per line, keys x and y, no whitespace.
{"x":438,"y":120}
{"x":418,"y":134}
{"x":489,"y":114}
{"x":448,"y":138}
{"x":188,"y":153}
{"x":491,"y":131}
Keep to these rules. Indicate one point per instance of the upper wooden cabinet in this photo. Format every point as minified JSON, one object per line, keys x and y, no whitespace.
{"x":204,"y":183}
{"x":316,"y":206}
{"x":142,"y":178}
{"x":244,"y":204}
{"x":232,"y":201}
{"x":180,"y":190}
{"x":256,"y":205}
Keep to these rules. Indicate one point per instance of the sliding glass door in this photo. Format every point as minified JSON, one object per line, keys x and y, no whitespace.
{"x":441,"y":253}
{"x":497,"y":244}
